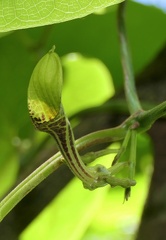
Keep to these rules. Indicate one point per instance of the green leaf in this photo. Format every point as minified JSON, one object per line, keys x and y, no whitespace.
{"x":83,"y":78}
{"x":25,"y":14}
{"x":68,"y":216}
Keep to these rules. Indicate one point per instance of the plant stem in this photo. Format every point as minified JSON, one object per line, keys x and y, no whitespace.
{"x":91,"y":156}
{"x":132,"y":158}
{"x":27,"y":185}
{"x":15,"y":196}
{"x":147,"y":118}
{"x":129,"y":81}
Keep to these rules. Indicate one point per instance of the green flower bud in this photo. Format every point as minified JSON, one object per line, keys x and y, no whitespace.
{"x":45,"y":87}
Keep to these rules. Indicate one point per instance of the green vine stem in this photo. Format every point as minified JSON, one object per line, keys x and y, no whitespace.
{"x":15,"y":196}
{"x":147,"y":118}
{"x":129,"y":81}
{"x":132,"y":157}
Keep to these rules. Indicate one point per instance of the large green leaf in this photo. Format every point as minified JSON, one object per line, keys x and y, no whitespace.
{"x":68,"y":216}
{"x":29,"y":13}
{"x":82,"y":79}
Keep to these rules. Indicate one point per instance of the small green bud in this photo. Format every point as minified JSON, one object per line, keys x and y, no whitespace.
{"x":45,"y":87}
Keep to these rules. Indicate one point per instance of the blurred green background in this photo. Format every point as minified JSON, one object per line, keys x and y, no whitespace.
{"x":89,"y":50}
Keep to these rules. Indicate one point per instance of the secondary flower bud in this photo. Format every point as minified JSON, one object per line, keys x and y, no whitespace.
{"x":45,"y":87}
